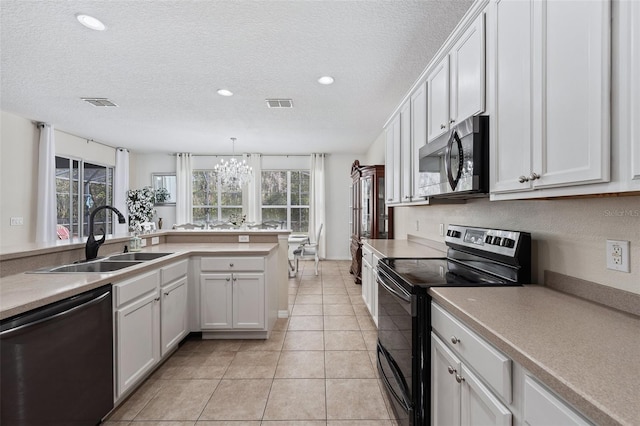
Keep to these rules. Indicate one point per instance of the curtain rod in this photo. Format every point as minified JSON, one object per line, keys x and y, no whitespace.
{"x":262,"y":155}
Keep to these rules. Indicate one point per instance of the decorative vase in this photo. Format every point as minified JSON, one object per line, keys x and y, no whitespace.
{"x":159,"y":223}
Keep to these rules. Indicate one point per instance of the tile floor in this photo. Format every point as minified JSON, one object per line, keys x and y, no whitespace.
{"x":317,"y":368}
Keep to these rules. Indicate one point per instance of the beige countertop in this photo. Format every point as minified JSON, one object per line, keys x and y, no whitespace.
{"x":22,"y":292}
{"x":411,"y":247}
{"x":587,"y":353}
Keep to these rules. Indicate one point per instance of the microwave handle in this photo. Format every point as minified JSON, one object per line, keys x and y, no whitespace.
{"x":454,"y":138}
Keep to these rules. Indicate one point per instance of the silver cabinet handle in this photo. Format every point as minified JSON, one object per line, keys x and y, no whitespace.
{"x":454,"y":340}
{"x":534,"y":176}
{"x":459,"y":378}
{"x":451,"y":370}
{"x":442,"y":126}
{"x":523,"y":179}
{"x":235,"y":279}
{"x":228,"y":279}
{"x":231,"y":265}
{"x":157,"y":299}
{"x":166,"y":294}
{"x":452,"y":121}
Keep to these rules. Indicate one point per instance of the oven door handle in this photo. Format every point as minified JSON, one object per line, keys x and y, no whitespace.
{"x":401,"y":399}
{"x":402,"y":294}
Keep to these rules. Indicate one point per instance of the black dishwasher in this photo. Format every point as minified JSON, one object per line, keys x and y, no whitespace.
{"x":57,"y":362}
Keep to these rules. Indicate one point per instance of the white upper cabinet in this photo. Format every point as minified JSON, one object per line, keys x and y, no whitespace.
{"x":392,"y":161}
{"x":456,"y":85}
{"x":633,"y":140}
{"x":405,"y":153}
{"x":418,"y":134}
{"x":549,"y":70}
{"x":438,"y":100}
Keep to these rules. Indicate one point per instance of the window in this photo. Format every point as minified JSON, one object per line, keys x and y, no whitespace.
{"x":80,"y":187}
{"x":210,"y":204}
{"x":285,"y":198}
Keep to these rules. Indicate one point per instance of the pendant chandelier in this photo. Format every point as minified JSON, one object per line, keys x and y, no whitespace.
{"x":233,"y":173}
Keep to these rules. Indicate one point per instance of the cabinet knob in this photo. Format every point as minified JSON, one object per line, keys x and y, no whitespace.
{"x":523,"y":179}
{"x":166,"y":294}
{"x":228,"y":279}
{"x":231,"y":265}
{"x":442,"y":126}
{"x":459,"y":378}
{"x":157,"y":299}
{"x":452,"y":121}
{"x":534,"y":176}
{"x":451,"y":370}
{"x":454,"y":340}
{"x":235,"y":279}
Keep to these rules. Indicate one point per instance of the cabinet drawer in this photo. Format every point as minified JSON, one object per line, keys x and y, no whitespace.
{"x":491,"y":365}
{"x":135,"y":287}
{"x":232,"y":264}
{"x":541,"y":407}
{"x":173,"y":272}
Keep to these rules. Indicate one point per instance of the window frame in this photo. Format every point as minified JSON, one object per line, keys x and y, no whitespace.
{"x":288,"y":206}
{"x":218,"y":206}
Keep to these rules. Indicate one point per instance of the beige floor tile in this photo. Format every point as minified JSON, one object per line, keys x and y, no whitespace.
{"x":296,"y":399}
{"x":310,"y":290}
{"x":293,"y":291}
{"x":253,"y":365}
{"x":306,"y":310}
{"x":366,"y":323}
{"x":357,"y":399}
{"x":334,"y":283}
{"x":118,"y":423}
{"x":356,"y":299}
{"x":294,"y":423}
{"x":359,"y":423}
{"x":343,"y":341}
{"x":354,"y":290}
{"x":137,"y":401}
{"x":299,"y":323}
{"x":214,"y":345}
{"x":309,"y":299}
{"x":335,"y":299}
{"x":273,"y":343}
{"x":334,"y":290}
{"x":348,"y":365}
{"x":199,"y":365}
{"x":238,"y":400}
{"x":370,"y":339}
{"x":337,"y":322}
{"x":374,"y":362}
{"x":360,"y":309}
{"x":281,"y":324}
{"x":179,"y":400}
{"x":163,"y":423}
{"x":304,"y":341}
{"x":292,"y":300}
{"x":300,"y":365}
{"x":338,"y":310}
{"x":226,"y":423}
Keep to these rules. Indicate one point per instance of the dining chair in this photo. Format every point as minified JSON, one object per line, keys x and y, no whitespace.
{"x":309,"y":251}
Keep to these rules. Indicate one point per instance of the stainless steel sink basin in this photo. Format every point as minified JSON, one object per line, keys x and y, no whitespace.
{"x":137,"y":256}
{"x":100,"y":266}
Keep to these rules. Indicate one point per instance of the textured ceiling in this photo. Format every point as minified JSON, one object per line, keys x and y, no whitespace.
{"x":162,"y":62}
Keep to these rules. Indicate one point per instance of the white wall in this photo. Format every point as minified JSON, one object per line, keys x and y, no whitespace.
{"x":376,"y":152}
{"x":569,"y":235}
{"x":141,"y":166}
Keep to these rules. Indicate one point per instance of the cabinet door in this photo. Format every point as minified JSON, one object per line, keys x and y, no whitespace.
{"x":445,"y":391}
{"x":173,"y":314}
{"x":138,"y":343}
{"x":216,"y":301}
{"x":542,"y":408}
{"x":366,"y":207}
{"x":248,"y":300}
{"x":418,"y":133}
{"x":634,"y":89}
{"x":374,"y":289}
{"x":571,"y":92}
{"x":366,"y":283}
{"x":405,"y":152}
{"x":478,"y":405}
{"x":438,"y":100}
{"x":392,"y":161}
{"x":510,"y":75}
{"x":467,"y":73}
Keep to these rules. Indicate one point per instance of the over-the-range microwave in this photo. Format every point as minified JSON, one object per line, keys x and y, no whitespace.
{"x":456,"y":165}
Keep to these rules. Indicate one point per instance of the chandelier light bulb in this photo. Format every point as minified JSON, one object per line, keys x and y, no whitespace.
{"x":233,"y":173}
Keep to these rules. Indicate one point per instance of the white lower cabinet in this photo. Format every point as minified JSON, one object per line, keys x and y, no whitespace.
{"x":369,"y":281}
{"x":458,"y":396}
{"x":137,"y":323}
{"x":235,"y":296}
{"x":173,"y":306}
{"x":541,"y":407}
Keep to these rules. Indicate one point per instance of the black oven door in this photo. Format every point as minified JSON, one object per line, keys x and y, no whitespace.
{"x":396,"y":310}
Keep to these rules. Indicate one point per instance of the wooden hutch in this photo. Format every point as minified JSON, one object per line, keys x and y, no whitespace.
{"x":370,"y":216}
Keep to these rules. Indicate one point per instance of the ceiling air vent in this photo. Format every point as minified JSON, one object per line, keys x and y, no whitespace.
{"x":99,"y":102}
{"x":279,"y":103}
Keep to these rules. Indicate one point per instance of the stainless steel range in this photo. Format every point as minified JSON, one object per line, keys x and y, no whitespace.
{"x":475,"y":257}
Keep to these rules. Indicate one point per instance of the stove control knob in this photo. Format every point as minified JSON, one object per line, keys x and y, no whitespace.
{"x":496,"y":241}
{"x":448,"y":232}
{"x":488,"y":239}
{"x":508,"y":242}
{"x":455,"y":234}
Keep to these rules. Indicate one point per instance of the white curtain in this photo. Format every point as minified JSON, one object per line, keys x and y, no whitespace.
{"x":252,"y":193}
{"x":184,"y":190}
{"x":46,"y":216}
{"x":317,"y":202}
{"x":120,"y":188}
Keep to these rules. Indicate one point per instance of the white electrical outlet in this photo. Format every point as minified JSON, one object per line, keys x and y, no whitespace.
{"x":17,"y":221}
{"x":155,"y":240}
{"x":243,"y":238}
{"x":618,"y":255}
{"x":441,"y":230}
{"x":143,"y":242}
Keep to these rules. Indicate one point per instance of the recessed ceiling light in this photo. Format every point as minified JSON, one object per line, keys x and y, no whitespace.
{"x":91,"y":22}
{"x":327,"y":79}
{"x":225,"y":92}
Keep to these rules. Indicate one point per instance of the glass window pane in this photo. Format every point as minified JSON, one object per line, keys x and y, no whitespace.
{"x":204,"y":214}
{"x":274,"y":213}
{"x":300,"y":188}
{"x":300,"y":219}
{"x":230,"y":197}
{"x":274,"y":188}
{"x":226,"y":212}
{"x":96,"y":187}
{"x":204,"y":188}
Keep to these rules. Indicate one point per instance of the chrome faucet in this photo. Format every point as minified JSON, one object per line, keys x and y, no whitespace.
{"x":91,"y":249}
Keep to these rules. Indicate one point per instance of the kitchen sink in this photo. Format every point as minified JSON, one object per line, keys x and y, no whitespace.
{"x":137,"y":256}
{"x":100,"y":266}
